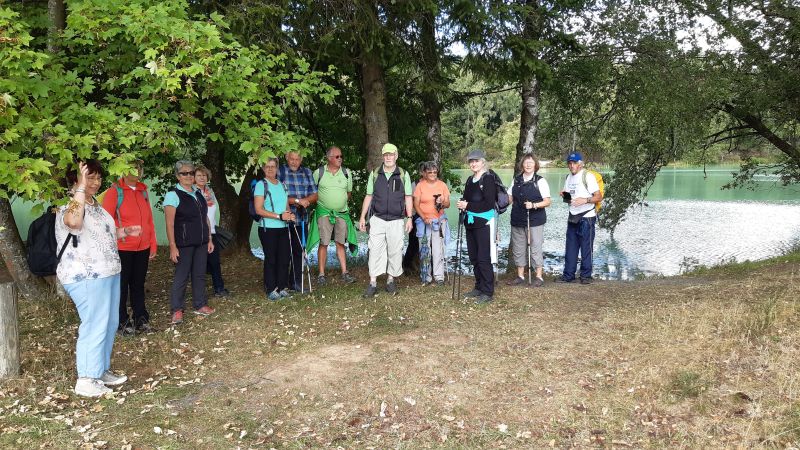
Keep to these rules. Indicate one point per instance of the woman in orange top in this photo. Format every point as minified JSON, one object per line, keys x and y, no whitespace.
{"x":128,"y":202}
{"x":431,"y":199}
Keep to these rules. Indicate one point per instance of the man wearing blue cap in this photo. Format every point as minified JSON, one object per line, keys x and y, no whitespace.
{"x":582,"y":192}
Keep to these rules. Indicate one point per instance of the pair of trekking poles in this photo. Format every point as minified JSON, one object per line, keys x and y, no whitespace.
{"x":305,"y":266}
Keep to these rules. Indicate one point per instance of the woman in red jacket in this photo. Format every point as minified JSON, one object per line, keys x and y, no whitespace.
{"x":128,"y":203}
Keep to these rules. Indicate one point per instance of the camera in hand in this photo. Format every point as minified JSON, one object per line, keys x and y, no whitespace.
{"x":439,"y":206}
{"x":567,"y":197}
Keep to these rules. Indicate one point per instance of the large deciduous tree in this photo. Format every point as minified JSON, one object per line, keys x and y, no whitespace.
{"x":139,"y":78}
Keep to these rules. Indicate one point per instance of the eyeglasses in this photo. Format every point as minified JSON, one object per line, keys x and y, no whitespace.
{"x":336,"y":156}
{"x":186,"y":174}
{"x":270,"y":167}
{"x":474,"y":160}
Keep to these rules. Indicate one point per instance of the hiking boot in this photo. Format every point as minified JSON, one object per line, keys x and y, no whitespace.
{"x":284,"y":293}
{"x":516,"y":281}
{"x":109,"y":378}
{"x":391,"y":288}
{"x":564,"y":280}
{"x":91,"y":387}
{"x":221,"y":293}
{"x":126,"y":331}
{"x":587,"y":280}
{"x":483,"y":299}
{"x":274,"y":296}
{"x":321,"y":281}
{"x":145,"y":327}
{"x":472,"y":294}
{"x":204,"y":311}
{"x":177,"y":317}
{"x":371,"y":291}
{"x":439,"y":283}
{"x":347,"y":278}
{"x":538,"y":282}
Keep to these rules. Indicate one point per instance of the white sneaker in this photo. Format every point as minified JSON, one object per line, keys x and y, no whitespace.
{"x":91,"y":387}
{"x":110,"y":379}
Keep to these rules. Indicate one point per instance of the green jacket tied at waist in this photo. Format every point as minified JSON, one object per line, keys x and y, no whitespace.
{"x":313,"y":229}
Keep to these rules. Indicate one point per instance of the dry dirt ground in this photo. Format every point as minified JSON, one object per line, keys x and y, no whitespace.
{"x":708,"y":360}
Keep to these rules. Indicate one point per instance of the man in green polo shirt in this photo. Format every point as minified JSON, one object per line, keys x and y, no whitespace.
{"x":332,"y":218}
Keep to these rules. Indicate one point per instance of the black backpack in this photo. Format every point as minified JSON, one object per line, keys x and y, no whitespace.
{"x":501,"y":200}
{"x":43,"y":253}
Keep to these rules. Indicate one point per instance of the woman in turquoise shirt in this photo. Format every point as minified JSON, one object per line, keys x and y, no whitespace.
{"x":271,"y":203}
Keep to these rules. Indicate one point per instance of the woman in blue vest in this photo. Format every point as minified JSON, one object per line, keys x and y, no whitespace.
{"x":189,"y":236}
{"x":529,"y":196}
{"x":271,"y":203}
{"x":478,"y":205}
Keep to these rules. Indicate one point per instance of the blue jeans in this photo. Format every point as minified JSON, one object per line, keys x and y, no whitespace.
{"x":580,"y":237}
{"x":97,"y":301}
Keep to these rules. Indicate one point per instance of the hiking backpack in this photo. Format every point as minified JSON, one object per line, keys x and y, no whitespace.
{"x":501,"y":199}
{"x":42,"y":251}
{"x":120,"y":198}
{"x":251,"y":205}
{"x":321,"y":172}
{"x":600,"y":183}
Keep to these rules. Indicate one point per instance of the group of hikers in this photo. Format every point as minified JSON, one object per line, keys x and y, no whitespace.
{"x":297,"y":209}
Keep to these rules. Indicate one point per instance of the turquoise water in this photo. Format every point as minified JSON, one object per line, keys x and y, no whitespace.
{"x":686,"y":221}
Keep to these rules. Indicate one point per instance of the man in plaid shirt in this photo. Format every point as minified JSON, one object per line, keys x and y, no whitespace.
{"x":302,"y":194}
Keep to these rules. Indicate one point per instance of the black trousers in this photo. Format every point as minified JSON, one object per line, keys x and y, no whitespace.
{"x":275,"y":242}
{"x":296,"y":255}
{"x":214,"y":268}
{"x":480,"y":256}
{"x":191,"y":264}
{"x":134,"y":271}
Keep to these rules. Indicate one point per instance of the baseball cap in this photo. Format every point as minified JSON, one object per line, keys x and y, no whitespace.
{"x":476,"y":154}
{"x":388,"y":148}
{"x":575,"y":157}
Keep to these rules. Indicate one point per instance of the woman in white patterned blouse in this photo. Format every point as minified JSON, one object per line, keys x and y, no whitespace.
{"x":89,"y":270}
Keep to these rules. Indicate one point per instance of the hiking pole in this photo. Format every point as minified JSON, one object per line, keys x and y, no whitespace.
{"x":530,"y":253}
{"x":457,"y":275}
{"x":290,"y":224}
{"x":304,"y":262}
{"x":430,"y":241}
{"x":443,"y":249}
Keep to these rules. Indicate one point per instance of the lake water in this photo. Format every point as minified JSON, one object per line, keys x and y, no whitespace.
{"x":687,"y":221}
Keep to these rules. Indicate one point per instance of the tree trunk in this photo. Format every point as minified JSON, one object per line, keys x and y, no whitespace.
{"x":374,"y":119}
{"x":57,"y":18}
{"x":230,"y":202}
{"x":9,"y":329}
{"x":529,"y":122}
{"x":13,"y":253}
{"x":244,"y":223}
{"x":431,"y":86}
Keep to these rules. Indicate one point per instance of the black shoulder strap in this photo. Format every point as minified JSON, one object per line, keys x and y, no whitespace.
{"x":74,"y":239}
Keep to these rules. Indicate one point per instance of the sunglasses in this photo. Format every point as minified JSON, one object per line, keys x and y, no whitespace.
{"x":336,"y":156}
{"x":186,"y":174}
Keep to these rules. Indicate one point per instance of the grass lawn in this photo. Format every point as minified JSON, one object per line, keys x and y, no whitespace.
{"x":704,"y":360}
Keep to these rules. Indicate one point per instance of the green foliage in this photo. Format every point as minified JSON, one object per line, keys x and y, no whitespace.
{"x":142,"y":78}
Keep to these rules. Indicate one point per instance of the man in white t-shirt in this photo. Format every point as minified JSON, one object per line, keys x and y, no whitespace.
{"x":582,"y":192}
